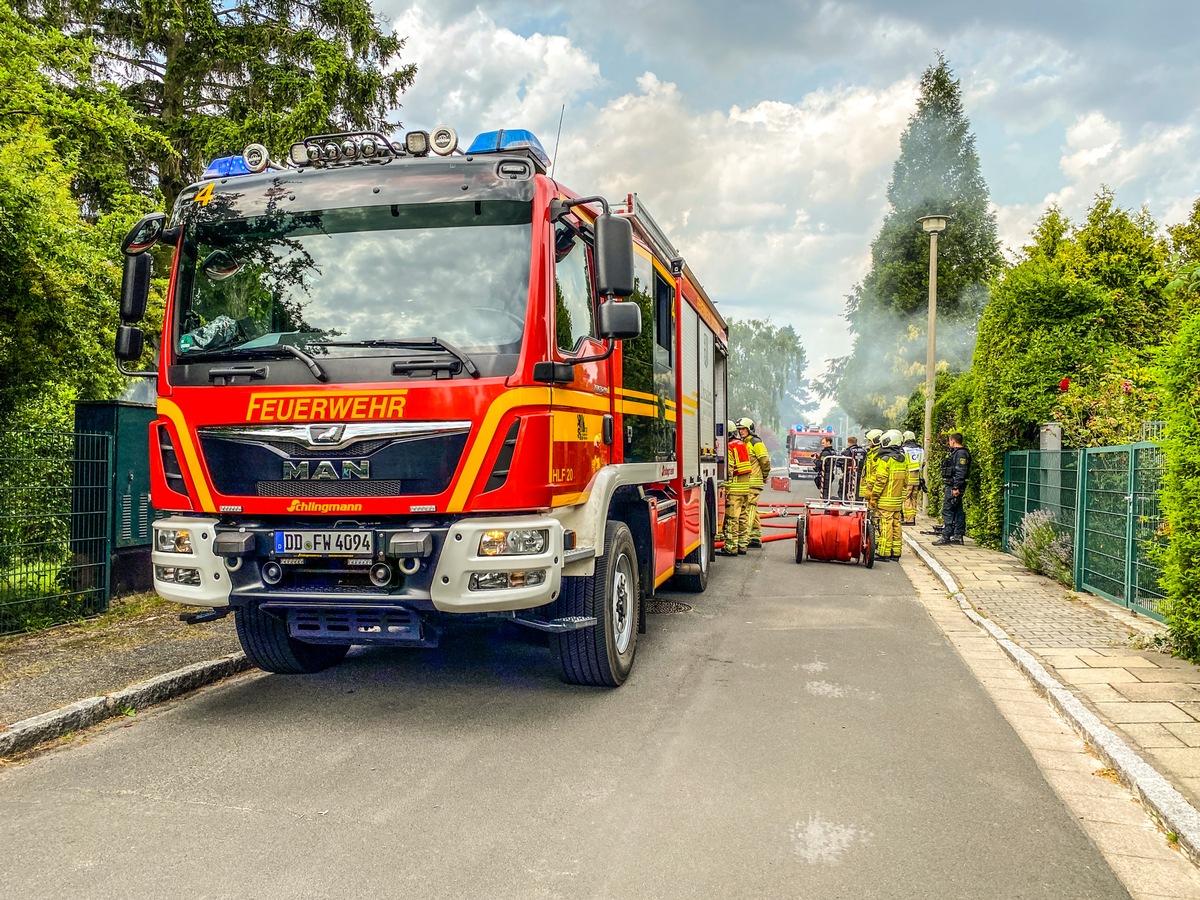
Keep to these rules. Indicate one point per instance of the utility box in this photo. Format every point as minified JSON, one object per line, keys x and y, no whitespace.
{"x":128,"y":503}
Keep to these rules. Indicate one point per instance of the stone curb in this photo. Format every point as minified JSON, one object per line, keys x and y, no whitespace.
{"x":29,"y":733}
{"x":1166,"y":804}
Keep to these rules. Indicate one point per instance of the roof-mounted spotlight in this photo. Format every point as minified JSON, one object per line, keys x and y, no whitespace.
{"x":416,"y":143}
{"x":257,"y":158}
{"x":298,"y":154}
{"x":443,"y":140}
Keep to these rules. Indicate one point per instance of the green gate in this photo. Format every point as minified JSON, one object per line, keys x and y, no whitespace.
{"x":1120,"y":523}
{"x":54,"y":530}
{"x":1106,"y":499}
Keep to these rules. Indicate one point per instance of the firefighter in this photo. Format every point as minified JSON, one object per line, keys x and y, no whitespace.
{"x":737,"y":487}
{"x":857,"y":454}
{"x":760,"y":468}
{"x":889,"y":483}
{"x":865,"y":474}
{"x":916,"y":459}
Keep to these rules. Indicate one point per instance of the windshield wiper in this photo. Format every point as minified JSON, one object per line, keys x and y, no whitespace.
{"x":422,"y":343}
{"x":274,"y":351}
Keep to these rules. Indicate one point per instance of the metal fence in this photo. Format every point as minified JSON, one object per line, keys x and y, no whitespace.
{"x":54,"y":529}
{"x":1106,"y":499}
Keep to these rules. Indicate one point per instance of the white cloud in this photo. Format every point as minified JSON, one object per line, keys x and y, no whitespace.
{"x":762,"y":136}
{"x":774,"y":205}
{"x":475,"y":73}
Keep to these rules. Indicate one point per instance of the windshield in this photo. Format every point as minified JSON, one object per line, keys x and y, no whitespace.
{"x":348,"y":281}
{"x":806,"y":441}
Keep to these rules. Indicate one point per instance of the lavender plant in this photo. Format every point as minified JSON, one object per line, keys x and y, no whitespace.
{"x":1043,"y":549}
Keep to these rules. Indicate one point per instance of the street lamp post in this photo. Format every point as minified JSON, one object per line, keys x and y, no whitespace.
{"x":933,"y":225}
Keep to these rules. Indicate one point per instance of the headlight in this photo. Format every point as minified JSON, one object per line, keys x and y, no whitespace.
{"x":515,"y":542}
{"x":173,"y":540}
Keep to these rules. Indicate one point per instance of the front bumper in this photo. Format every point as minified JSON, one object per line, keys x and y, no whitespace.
{"x":198,"y":578}
{"x":451,"y":590}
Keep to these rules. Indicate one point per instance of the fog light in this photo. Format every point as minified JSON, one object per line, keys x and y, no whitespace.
{"x":177,"y":575}
{"x":488,"y":581}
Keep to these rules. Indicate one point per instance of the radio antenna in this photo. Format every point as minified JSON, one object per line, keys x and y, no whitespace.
{"x":557,"y":138}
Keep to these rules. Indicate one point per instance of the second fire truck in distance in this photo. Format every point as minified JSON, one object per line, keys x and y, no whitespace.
{"x":803,"y":447}
{"x":400,"y":384}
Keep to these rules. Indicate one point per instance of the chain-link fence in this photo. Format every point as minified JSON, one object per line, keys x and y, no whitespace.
{"x":54,"y":530}
{"x":1106,"y":499}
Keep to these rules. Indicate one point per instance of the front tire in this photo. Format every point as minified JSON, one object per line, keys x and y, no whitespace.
{"x":602,"y":654}
{"x":800,"y":539}
{"x":268,"y":645}
{"x":868,"y":557}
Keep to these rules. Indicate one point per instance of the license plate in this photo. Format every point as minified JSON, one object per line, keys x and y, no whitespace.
{"x":325,"y":543}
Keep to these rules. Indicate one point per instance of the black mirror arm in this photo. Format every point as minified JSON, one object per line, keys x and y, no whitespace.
{"x":610,"y":345}
{"x":559,"y":208}
{"x":131,"y":374}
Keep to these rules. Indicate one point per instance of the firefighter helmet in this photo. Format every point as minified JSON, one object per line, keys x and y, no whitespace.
{"x":874,"y":435}
{"x":890,"y":438}
{"x":909,"y":436}
{"x":730,"y":428}
{"x":748,"y":424}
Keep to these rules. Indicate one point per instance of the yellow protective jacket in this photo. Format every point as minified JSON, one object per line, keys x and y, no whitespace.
{"x":867,"y":473}
{"x":889,"y":478}
{"x":760,"y":460}
{"x":915,"y":457}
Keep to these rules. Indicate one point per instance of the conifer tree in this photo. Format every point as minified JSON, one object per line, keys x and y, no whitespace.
{"x":937,"y":172}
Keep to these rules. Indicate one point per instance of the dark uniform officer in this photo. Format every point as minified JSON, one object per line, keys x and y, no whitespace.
{"x":955,"y":470}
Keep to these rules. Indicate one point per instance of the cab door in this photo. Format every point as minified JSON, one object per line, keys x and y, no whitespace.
{"x":580,"y":439}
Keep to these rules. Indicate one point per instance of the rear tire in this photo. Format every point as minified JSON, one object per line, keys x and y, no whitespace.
{"x":800,"y":539}
{"x":868,"y":557}
{"x":268,"y":645}
{"x":701,"y":556}
{"x":602,"y":654}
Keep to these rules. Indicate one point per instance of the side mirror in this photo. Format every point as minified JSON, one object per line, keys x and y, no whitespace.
{"x":614,"y":256}
{"x":619,"y":321}
{"x":145,"y":234}
{"x":130,"y":340}
{"x":135,"y":288}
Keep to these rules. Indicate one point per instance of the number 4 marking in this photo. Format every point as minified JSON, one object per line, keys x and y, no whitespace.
{"x":204,"y":194}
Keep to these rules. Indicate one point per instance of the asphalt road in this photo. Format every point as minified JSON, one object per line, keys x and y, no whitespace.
{"x":805,"y":731}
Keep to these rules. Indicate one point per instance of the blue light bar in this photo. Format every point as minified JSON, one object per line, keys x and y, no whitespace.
{"x":510,"y":141}
{"x":226,"y":167}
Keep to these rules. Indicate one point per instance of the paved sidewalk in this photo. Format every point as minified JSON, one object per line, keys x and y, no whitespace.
{"x":1149,"y":699}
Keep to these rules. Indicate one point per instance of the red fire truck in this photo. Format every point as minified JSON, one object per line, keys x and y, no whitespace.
{"x":804,"y":446}
{"x":400,"y":384}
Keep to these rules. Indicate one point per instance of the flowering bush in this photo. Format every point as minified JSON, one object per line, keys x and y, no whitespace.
{"x":1044,"y":549}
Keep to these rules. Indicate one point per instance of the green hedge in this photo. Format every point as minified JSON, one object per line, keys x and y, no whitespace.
{"x":1180,"y":380}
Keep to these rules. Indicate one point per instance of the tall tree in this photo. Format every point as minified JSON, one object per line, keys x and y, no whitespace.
{"x":58,"y":283}
{"x":765,"y":362}
{"x":937,"y":172}
{"x":215,"y":75}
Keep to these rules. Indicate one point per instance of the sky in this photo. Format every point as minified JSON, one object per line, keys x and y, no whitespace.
{"x":761,"y":135}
